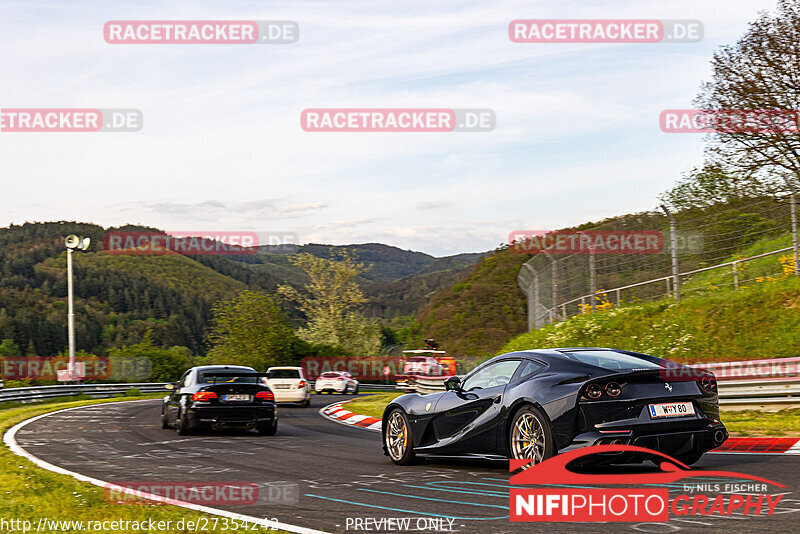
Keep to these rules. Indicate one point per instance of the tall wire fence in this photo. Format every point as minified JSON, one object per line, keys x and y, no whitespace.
{"x":748,"y":242}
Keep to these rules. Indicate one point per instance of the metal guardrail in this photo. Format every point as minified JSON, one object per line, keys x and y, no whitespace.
{"x":40,"y":393}
{"x":379,"y":387}
{"x":772,"y":383}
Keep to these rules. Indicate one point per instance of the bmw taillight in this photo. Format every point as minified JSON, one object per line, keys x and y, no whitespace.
{"x":204,"y":396}
{"x":709,"y":384}
{"x":301,"y":385}
{"x":265,"y":395}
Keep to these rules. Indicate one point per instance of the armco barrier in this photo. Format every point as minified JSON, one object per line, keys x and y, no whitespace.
{"x":763,"y":384}
{"x":39,"y":393}
{"x":753,"y":384}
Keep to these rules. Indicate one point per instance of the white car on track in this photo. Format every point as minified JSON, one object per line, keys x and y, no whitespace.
{"x":336,"y":382}
{"x":289,"y":385}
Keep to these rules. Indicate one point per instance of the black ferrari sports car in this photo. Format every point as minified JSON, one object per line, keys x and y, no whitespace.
{"x":218,"y":396}
{"x":535,"y":404}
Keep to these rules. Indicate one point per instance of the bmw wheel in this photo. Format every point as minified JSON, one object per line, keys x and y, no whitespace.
{"x":181,"y":426}
{"x":268,"y":430}
{"x":530,"y":436}
{"x":397,"y":438}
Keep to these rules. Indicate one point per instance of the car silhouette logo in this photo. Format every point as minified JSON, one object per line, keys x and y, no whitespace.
{"x":553,"y":471}
{"x":667,"y":386}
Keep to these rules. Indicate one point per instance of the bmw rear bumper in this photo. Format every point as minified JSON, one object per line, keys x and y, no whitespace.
{"x":231,"y":416}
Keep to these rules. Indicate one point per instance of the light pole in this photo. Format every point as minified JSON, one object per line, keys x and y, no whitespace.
{"x":72,"y":242}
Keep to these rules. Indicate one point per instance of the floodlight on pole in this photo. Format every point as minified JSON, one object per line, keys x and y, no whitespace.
{"x":72,"y":242}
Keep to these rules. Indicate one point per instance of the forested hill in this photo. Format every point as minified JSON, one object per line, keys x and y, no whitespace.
{"x":119,"y":299}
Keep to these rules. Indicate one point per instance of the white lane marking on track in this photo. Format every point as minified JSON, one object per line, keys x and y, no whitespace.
{"x":9,"y":438}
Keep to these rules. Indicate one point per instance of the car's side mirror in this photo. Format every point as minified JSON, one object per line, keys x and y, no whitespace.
{"x":169,"y":386}
{"x":452,"y":384}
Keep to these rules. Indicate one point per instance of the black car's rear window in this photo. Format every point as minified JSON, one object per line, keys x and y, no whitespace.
{"x":284,"y":373}
{"x":609,"y":359}
{"x":246,"y":378}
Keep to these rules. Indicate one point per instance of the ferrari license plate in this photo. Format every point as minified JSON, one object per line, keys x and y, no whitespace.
{"x":237,"y":398}
{"x":671,"y":409}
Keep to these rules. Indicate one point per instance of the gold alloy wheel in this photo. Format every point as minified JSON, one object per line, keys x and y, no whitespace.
{"x":527,"y":438}
{"x":396,"y":436}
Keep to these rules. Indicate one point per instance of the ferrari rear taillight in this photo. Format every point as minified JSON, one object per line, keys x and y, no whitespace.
{"x":265,"y":395}
{"x":709,"y":384}
{"x":594,"y":391}
{"x":204,"y":396}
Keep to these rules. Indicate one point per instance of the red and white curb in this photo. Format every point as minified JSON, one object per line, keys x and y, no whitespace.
{"x":336,"y":413}
{"x":10,"y":440}
{"x":760,"y":446}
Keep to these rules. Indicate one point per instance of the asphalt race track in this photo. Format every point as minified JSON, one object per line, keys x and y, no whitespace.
{"x":324,"y":475}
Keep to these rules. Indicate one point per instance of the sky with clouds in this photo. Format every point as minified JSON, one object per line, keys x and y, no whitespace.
{"x":577,"y":135}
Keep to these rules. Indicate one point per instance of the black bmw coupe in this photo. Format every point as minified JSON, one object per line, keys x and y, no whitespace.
{"x":535,"y":404}
{"x":220,"y":396}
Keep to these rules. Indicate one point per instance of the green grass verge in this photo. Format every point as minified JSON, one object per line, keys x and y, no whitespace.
{"x":372,"y":405}
{"x":756,"y":423}
{"x":31,"y":493}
